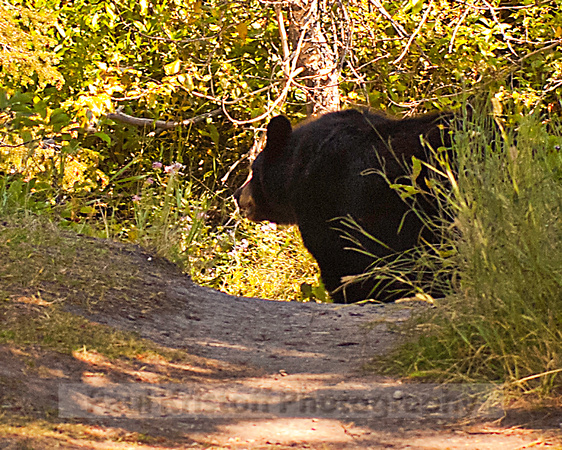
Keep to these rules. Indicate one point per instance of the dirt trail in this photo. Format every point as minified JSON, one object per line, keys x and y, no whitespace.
{"x":296,"y":356}
{"x":259,"y":374}
{"x":272,"y":336}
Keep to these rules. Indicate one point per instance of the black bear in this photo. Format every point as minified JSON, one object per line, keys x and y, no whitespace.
{"x":330,"y":169}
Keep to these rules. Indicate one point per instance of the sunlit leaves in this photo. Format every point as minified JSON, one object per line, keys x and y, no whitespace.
{"x":143,"y":7}
{"x":111,"y":14}
{"x":177,"y":59}
{"x":460,"y":47}
{"x":173,"y":67}
{"x":25,"y":47}
{"x":242,"y":29}
{"x":413,"y":6}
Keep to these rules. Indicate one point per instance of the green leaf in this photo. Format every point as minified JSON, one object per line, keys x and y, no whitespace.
{"x":416,"y":168}
{"x":413,"y":6}
{"x":405,"y":190}
{"x":214,"y":134}
{"x":417,"y":6}
{"x":104,"y":137}
{"x":3,"y":100}
{"x":87,"y":210}
{"x":306,"y":290}
{"x":58,"y":117}
{"x":110,"y":10}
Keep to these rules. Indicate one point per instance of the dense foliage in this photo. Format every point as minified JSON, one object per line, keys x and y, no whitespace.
{"x":175,"y":61}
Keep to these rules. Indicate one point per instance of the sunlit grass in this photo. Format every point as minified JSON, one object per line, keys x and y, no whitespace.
{"x":32,"y":322}
{"x":259,"y":260}
{"x":24,"y":433}
{"x":232,"y":255}
{"x":44,"y":270}
{"x":502,"y":319}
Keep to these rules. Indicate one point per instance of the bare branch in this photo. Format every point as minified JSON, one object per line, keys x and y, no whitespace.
{"x":294,"y":72}
{"x":280,"y":99}
{"x":346,"y":35}
{"x":500,"y":28}
{"x":258,"y":146}
{"x":220,"y":101}
{"x":455,"y":31}
{"x":415,"y":33}
{"x":284,"y":40}
{"x":164,"y":39}
{"x":43,"y":143}
{"x":19,"y":145}
{"x":399,"y":28}
{"x":540,"y":50}
{"x":120,"y":116}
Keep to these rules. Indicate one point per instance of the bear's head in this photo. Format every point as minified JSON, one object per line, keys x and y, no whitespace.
{"x":264,"y":196}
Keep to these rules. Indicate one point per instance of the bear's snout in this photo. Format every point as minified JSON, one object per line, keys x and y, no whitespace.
{"x":245,"y":200}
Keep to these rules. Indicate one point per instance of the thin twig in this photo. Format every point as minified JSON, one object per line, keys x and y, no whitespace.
{"x":538,"y":375}
{"x":258,"y":146}
{"x":415,"y":33}
{"x":480,"y":86}
{"x":19,"y":145}
{"x":361,"y":80}
{"x":540,"y":50}
{"x":497,"y":22}
{"x":294,"y":72}
{"x":401,"y":31}
{"x":377,"y":59}
{"x":348,"y":35}
{"x":277,"y":102}
{"x":237,"y":100}
{"x":458,"y":25}
{"x":176,"y":41}
{"x":284,"y":40}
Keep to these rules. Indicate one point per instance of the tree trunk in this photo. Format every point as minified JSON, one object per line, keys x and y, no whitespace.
{"x":317,"y":58}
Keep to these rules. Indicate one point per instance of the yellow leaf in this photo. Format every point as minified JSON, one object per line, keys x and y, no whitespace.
{"x":242,"y":29}
{"x":558,"y":32}
{"x":186,"y":81}
{"x":173,"y":67}
{"x":144,"y":7}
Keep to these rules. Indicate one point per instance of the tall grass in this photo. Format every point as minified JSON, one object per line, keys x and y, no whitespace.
{"x":503,"y":318}
{"x":195,"y":227}
{"x":232,"y":255}
{"x":169,"y":218}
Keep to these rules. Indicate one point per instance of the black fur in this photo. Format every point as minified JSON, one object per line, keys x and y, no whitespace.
{"x":326,"y":170}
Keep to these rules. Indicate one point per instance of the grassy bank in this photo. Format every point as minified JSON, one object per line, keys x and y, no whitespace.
{"x":502,"y":320}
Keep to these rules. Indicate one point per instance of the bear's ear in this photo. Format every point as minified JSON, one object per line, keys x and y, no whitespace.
{"x":278,"y":133}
